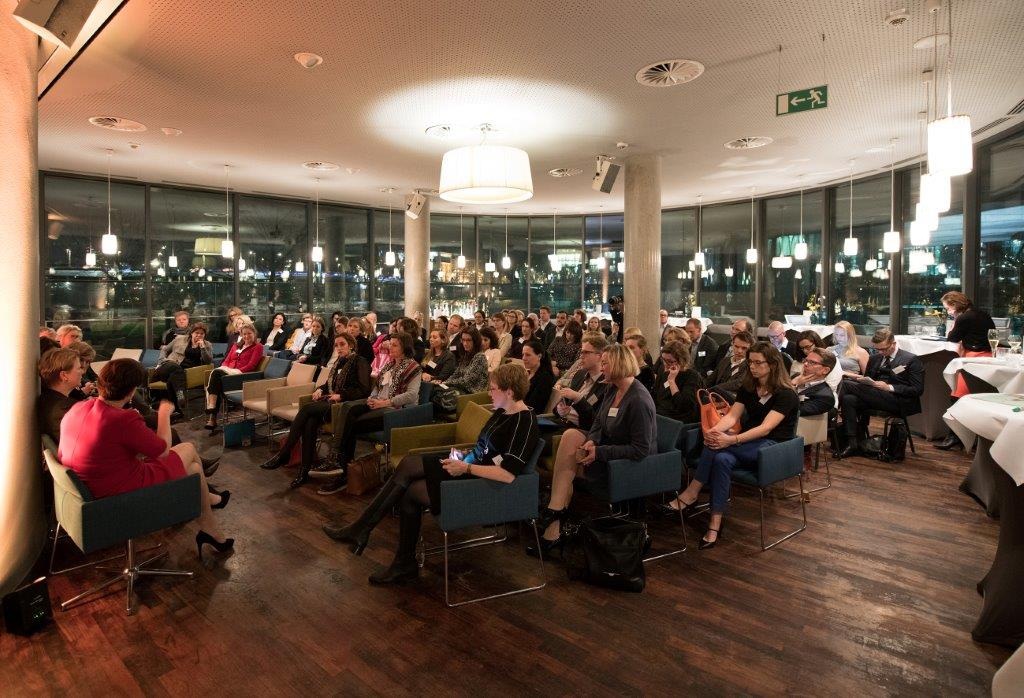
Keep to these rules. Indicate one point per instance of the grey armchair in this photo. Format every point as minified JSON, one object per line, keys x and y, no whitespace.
{"x":776,"y":463}
{"x":95,"y":524}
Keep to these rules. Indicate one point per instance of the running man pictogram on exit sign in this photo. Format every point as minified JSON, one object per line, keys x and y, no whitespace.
{"x":801,"y":100}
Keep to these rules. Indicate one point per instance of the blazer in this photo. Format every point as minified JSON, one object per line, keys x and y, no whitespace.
{"x":683,"y":406}
{"x":175,"y":351}
{"x":586,"y":406}
{"x":444,"y":365}
{"x":816,"y":399}
{"x":702,"y":356}
{"x":793,"y":351}
{"x":632,"y":433}
{"x":246,"y":360}
{"x":315,"y":349}
{"x":547,"y":335}
{"x":278,"y":343}
{"x":539,"y":394}
{"x":726,"y":377}
{"x":907,"y":382}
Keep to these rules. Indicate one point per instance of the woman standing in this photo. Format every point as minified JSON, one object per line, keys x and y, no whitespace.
{"x":769,"y":408}
{"x":241,"y":358}
{"x":970,"y":333}
{"x":277,"y":335}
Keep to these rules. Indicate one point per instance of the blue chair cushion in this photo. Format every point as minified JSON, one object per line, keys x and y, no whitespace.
{"x":479,"y":502}
{"x":655,"y":474}
{"x":780,"y":461}
{"x":277,"y":368}
{"x":668,"y":433}
{"x":219,"y":349}
{"x":234,"y":397}
{"x":150,"y":358}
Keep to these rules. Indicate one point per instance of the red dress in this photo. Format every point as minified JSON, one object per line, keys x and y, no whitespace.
{"x":103,"y":444}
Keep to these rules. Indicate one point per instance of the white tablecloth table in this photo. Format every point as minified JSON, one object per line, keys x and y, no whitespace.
{"x":997,"y":474}
{"x":1004,"y":377}
{"x":822,"y":330}
{"x":923,"y":346}
{"x":934,"y":355}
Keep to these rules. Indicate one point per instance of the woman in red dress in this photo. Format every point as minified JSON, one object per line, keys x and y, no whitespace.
{"x":112,"y":450}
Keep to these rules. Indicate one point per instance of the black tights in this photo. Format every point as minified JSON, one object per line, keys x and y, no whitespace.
{"x":410,"y":474}
{"x":306,"y":426}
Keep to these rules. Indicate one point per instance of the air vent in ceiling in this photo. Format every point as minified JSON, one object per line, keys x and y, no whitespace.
{"x":1019,"y":109}
{"x":116,"y":123}
{"x":565,"y":172}
{"x":990,"y":126}
{"x":676,"y":71}
{"x":748,"y":142}
{"x":320,"y":166}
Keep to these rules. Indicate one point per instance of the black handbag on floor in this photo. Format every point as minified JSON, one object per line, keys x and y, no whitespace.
{"x":612,"y":554}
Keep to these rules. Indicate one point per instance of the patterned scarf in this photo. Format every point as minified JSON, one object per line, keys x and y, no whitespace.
{"x":400,"y":375}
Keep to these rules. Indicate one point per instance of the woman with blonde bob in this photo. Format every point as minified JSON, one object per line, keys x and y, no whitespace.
{"x":625,"y":426}
{"x":852,"y":357}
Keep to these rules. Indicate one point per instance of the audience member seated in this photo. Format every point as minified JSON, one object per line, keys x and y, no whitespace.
{"x":348,"y":380}
{"x":892,"y":383}
{"x":241,"y":358}
{"x":768,"y":408}
{"x":637,"y":345}
{"x":48,"y":332}
{"x":277,"y":335}
{"x":777,"y":336}
{"x":455,"y":326}
{"x":66,"y":334}
{"x":542,"y":378}
{"x":565,"y":348}
{"x":579,"y":401}
{"x":396,"y":386}
{"x":728,"y":377}
{"x":625,"y":426}
{"x":299,"y":337}
{"x":315,"y":349}
{"x":86,"y":355}
{"x":184,"y":351}
{"x":809,"y":339}
{"x":46,"y":344}
{"x":438,"y":363}
{"x":702,"y":348}
{"x":816,"y":396}
{"x":102,"y":442}
{"x":853,"y":359}
{"x":504,"y":446}
{"x":479,"y":320}
{"x":359,"y":328}
{"x":527,"y":328}
{"x":740,"y":325}
{"x":566,"y":377}
{"x":500,"y":324}
{"x":489,"y":346}
{"x":675,"y":388}
{"x":60,"y":372}
{"x":412,"y":328}
{"x":470,"y":374}
{"x":231,"y":327}
{"x":181,"y":324}
{"x":234,"y":335}
{"x":546,"y":328}
{"x":594,"y":324}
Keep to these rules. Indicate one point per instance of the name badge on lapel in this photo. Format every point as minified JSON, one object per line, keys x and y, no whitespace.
{"x":592,"y":400}
{"x":386,"y":379}
{"x":765,"y":399}
{"x":668,"y":384}
{"x":431,"y":364}
{"x":701,"y":353}
{"x":897,"y":370}
{"x":613,"y":412}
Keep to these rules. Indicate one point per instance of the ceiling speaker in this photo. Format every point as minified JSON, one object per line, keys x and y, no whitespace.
{"x":57,"y":21}
{"x":414,"y":205}
{"x":604,"y":178}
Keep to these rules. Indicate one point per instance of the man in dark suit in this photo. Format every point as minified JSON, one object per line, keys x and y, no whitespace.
{"x":741,"y":325}
{"x":545,"y":327}
{"x":728,"y":376}
{"x":703,"y":349}
{"x":892,"y":383}
{"x":777,"y":336}
{"x":816,"y":397}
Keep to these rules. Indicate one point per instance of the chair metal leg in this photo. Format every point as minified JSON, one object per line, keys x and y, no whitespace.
{"x":910,"y":437}
{"x":803,"y":508}
{"x":811,"y":490}
{"x":98,"y":564}
{"x":540,"y":556}
{"x":682,"y":527}
{"x":495,"y":537}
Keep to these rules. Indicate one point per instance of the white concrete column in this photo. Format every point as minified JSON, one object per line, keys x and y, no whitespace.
{"x":22,"y":522}
{"x":417,"y":263}
{"x":642,"y":248}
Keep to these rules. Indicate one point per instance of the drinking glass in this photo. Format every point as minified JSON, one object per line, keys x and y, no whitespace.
{"x":1015,"y":342}
{"x":993,"y":340}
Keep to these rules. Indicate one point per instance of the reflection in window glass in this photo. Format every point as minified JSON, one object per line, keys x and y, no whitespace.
{"x":860,"y":295}
{"x":931,"y":270}
{"x":452,"y":288}
{"x":678,"y":244}
{"x":389,"y":246}
{"x":556,"y":256}
{"x":792,"y":270}
{"x":503,"y":288}
{"x":102,"y":294}
{"x":1001,"y":191}
{"x":273,"y":259}
{"x":727,"y":289}
{"x":188,"y":228}
{"x":342,"y":281}
{"x":605,"y":265}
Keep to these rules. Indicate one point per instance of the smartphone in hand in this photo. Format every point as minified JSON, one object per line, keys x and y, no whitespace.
{"x":456,"y":454}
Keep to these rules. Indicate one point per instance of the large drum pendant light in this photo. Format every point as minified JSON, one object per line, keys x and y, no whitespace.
{"x":950,"y":150}
{"x":486,"y":174}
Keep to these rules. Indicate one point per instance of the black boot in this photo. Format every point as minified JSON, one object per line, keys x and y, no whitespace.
{"x":358,"y":532}
{"x":302,"y":478}
{"x":950,"y":442}
{"x":404,"y":567}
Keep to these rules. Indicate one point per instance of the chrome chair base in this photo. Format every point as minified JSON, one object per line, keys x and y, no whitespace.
{"x":803,"y":508}
{"x":98,"y":564}
{"x":812,"y":490}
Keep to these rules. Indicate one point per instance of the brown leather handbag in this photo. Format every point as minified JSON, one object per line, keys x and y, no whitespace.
{"x":364,"y":473}
{"x":712,"y":408}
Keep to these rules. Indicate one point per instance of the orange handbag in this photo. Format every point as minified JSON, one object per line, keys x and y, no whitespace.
{"x":712,"y":408}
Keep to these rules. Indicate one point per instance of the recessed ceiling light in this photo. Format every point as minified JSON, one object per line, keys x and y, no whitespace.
{"x":168,"y":131}
{"x":438,"y":131}
{"x":116,"y":123}
{"x":748,"y":142}
{"x":897,"y":18}
{"x":308,"y":60}
{"x":320,"y":166}
{"x":926,"y":42}
{"x":565,"y":172}
{"x":669,"y":73}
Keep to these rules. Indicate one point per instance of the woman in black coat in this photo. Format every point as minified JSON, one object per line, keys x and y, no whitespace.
{"x":675,"y":389}
{"x":542,"y":378}
{"x":316,"y":350}
{"x":278,"y":333}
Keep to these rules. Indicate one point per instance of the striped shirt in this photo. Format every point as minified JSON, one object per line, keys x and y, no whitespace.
{"x":511,"y":436}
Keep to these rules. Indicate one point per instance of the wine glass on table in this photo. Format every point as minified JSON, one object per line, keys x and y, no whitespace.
{"x":1015,"y":342}
{"x":993,"y":340}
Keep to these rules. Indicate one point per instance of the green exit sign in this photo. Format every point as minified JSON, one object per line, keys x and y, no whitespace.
{"x":801,"y":100}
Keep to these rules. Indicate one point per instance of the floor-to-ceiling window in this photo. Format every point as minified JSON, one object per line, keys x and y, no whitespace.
{"x":678,"y":245}
{"x":604,"y":261}
{"x":388,"y":261}
{"x":1001,"y":259}
{"x":556,"y":261}
{"x":273,"y":259}
{"x":342,"y":281}
{"x":859,"y":295}
{"x":500,"y":287}
{"x":792,"y":254}
{"x":727,"y":287}
{"x":453,"y":287}
{"x":104,"y":294}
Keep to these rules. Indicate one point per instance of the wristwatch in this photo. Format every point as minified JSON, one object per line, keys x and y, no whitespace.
{"x":469,"y":468}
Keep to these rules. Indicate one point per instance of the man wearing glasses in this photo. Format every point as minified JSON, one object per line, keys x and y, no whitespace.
{"x":777,"y":336}
{"x":893,"y":383}
{"x":581,"y":398}
{"x":816,"y":397}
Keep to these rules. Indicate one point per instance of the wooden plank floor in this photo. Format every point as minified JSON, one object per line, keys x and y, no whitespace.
{"x":876,"y":597}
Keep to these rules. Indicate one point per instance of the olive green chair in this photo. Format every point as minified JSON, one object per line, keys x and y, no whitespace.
{"x":430,"y":438}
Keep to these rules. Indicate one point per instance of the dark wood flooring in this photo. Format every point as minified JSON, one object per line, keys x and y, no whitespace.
{"x":876,"y":597}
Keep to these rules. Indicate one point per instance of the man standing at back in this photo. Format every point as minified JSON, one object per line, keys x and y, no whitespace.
{"x":545,"y":328}
{"x":662,"y":324}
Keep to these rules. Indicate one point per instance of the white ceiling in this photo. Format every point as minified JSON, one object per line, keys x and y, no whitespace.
{"x":555,"y":78}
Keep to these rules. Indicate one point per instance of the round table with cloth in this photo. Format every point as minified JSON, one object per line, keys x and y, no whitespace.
{"x":934,"y":354}
{"x":1002,"y":375}
{"x":995,"y":479}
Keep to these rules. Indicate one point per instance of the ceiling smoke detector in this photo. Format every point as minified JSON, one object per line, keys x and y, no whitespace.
{"x":748,"y":143}
{"x":320,"y":166}
{"x":897,"y":17}
{"x":560,"y":172}
{"x":670,"y":73}
{"x":116,"y":123}
{"x":308,"y":60}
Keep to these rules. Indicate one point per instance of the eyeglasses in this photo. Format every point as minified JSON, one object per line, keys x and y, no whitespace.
{"x":587,"y":351}
{"x":757,"y":363}
{"x":808,"y":362}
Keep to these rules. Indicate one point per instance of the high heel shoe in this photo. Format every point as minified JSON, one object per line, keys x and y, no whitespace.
{"x":301,"y":479}
{"x":705,"y":544}
{"x":680,"y":506}
{"x":211,"y":419}
{"x":204,"y":538}
{"x":548,"y":517}
{"x":224,"y":497}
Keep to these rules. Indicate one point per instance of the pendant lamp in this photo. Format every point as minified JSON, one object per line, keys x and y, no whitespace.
{"x":891,"y":239}
{"x":316,"y":255}
{"x":752,"y":251}
{"x":460,"y":261}
{"x":227,"y":247}
{"x":698,"y":257}
{"x":850,"y":243}
{"x":108,"y":243}
{"x":485,"y":174}
{"x":506,"y":261}
{"x":950,"y":150}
